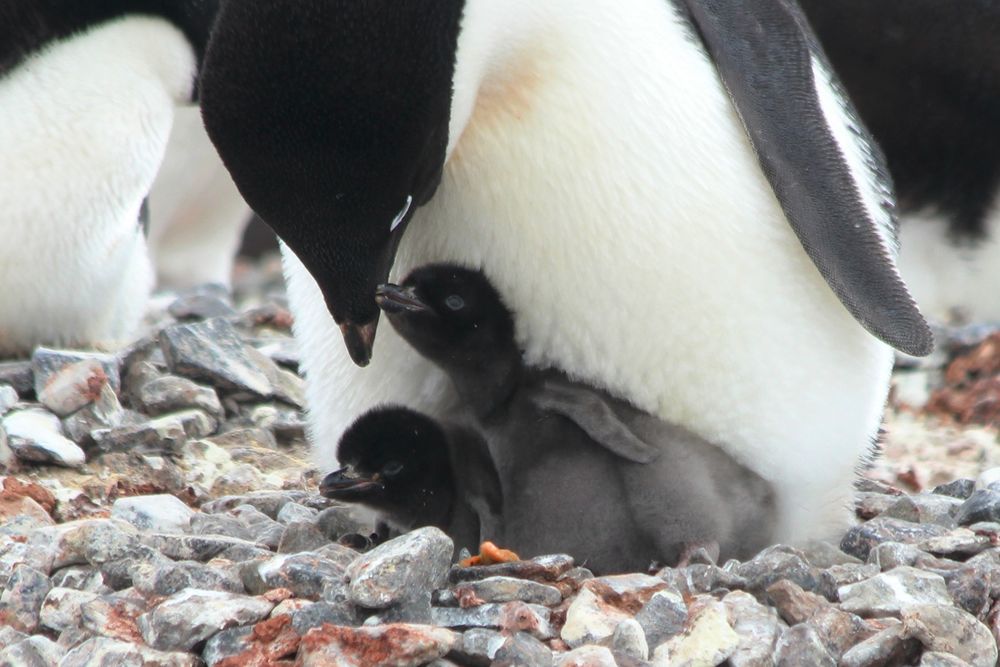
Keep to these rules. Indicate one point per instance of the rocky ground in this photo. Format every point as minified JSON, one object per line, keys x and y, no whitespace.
{"x":158,"y":508}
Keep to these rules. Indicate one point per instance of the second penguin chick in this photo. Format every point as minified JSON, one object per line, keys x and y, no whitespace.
{"x":415,"y":472}
{"x":580,"y":471}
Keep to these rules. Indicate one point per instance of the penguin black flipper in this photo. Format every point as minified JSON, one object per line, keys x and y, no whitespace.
{"x":585,"y":408}
{"x":825,"y":169}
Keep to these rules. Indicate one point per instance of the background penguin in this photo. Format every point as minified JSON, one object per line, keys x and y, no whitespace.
{"x":675,"y":197}
{"x":567,"y":455}
{"x":925,"y":77}
{"x":416,"y":473}
{"x":87,"y":97}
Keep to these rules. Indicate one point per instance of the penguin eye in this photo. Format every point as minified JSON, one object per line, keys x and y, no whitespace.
{"x":392,"y":468}
{"x":455,"y":302}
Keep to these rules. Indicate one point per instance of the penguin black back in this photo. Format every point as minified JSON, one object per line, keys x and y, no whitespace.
{"x":925,"y":78}
{"x":26,"y":26}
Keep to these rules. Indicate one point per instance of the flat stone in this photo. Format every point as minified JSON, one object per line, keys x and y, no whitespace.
{"x":890,"y":555}
{"x":776,"y":563}
{"x":408,"y":645}
{"x":708,"y":640}
{"x":972,"y":587}
{"x":322,"y":613}
{"x":193,"y":547}
{"x":509,"y":589}
{"x":543,"y":568}
{"x":268,"y":502}
{"x":304,"y":574}
{"x":887,"y":647}
{"x":587,"y":656}
{"x":926,"y":508}
{"x":629,"y":639}
{"x":959,"y":543}
{"x":414,"y":563}
{"x":950,"y":630}
{"x":294,"y":512}
{"x":758,"y":628}
{"x":162,"y":435}
{"x":832,"y":578}
{"x":160,"y":513}
{"x":14,"y":554}
{"x":103,"y":414}
{"x":200,"y":305}
{"x":62,"y":607}
{"x":80,"y":578}
{"x":285,"y":385}
{"x":982,"y":505}
{"x":46,"y":363}
{"x":522,"y":649}
{"x":265,"y":644}
{"x":219,"y":524}
{"x":174,"y":577}
{"x":860,"y":540}
{"x":959,"y":488}
{"x":589,"y":620}
{"x":170,"y":393}
{"x":802,"y":646}
{"x":868,"y":505}
{"x":822,"y":554}
{"x":22,"y":597}
{"x":73,"y":386}
{"x":115,"y":615}
{"x":86,"y":541}
{"x":212,"y":352}
{"x":105,"y":652}
{"x":891,"y":592}
{"x":510,"y":616}
{"x":188,"y":618}
{"x":937,"y":659}
{"x":36,"y":435}
{"x":335,"y":522}
{"x":37,"y":651}
{"x":301,"y":536}
{"x":663,"y":617}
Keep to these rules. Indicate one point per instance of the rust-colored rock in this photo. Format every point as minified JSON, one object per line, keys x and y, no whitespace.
{"x":12,"y":488}
{"x":972,"y":386}
{"x":270,"y":642}
{"x":392,"y":645}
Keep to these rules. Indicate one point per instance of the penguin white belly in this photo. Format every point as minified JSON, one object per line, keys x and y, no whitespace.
{"x":627,"y":224}
{"x":197,"y":215}
{"x":952,"y":280}
{"x":83,"y":126}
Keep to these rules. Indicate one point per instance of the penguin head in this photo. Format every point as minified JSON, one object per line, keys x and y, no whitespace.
{"x":450,"y":314}
{"x":396,"y":461}
{"x":332,"y":116}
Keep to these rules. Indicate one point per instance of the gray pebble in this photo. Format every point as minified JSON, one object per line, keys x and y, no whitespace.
{"x":509,"y":589}
{"x":776,"y":563}
{"x":294,"y":512}
{"x":758,"y":628}
{"x":318,"y":613}
{"x":213,"y":352}
{"x":193,"y":547}
{"x":37,"y":651}
{"x":959,"y":488}
{"x":227,"y":644}
{"x":802,"y":646}
{"x":522,"y":649}
{"x":301,"y":536}
{"x":62,"y":608}
{"x":630,"y":639}
{"x":160,"y":513}
{"x":22,"y":598}
{"x":304,"y":574}
{"x":46,"y":363}
{"x":891,"y":592}
{"x":115,"y":615}
{"x":938,"y":659}
{"x":105,"y":652}
{"x":170,"y":393}
{"x":506,"y":616}
{"x":401,"y":568}
{"x":982,"y":505}
{"x":860,"y":540}
{"x":888,"y":647}
{"x":219,"y":524}
{"x":173,"y":577}
{"x":663,"y":617}
{"x":926,"y":508}
{"x":951,"y":630}
{"x":190,"y":617}
{"x":19,"y":375}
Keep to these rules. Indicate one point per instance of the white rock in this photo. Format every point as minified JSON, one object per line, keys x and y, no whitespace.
{"x":36,"y":435}
{"x":589,"y":620}
{"x":160,"y":513}
{"x":709,"y":639}
{"x":587,"y":656}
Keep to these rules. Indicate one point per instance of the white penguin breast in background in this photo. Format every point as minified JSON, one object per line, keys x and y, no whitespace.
{"x":601,"y":178}
{"x":83,"y":126}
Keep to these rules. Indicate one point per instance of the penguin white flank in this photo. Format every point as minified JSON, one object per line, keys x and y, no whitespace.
{"x":628,"y":225}
{"x":83,"y":125}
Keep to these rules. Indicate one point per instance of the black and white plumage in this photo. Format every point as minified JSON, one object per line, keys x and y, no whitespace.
{"x":675,"y":197}
{"x":414,"y":472}
{"x":580,"y":472}
{"x":87,"y":95}
{"x":925,"y":78}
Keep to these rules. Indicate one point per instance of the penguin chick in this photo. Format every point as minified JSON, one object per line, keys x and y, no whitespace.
{"x":569,"y":455}
{"x":415,"y":472}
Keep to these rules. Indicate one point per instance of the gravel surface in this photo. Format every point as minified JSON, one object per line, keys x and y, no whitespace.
{"x":158,"y":508}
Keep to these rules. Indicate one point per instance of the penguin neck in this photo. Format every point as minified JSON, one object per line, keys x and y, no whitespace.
{"x":485,"y":385}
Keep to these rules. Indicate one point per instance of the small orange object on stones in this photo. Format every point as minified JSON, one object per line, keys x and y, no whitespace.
{"x":490,"y":554}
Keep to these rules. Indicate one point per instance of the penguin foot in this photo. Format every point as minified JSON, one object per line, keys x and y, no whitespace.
{"x":489,"y":554}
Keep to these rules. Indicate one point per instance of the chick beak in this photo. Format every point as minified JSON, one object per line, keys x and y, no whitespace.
{"x":347,"y":484}
{"x":396,"y":299}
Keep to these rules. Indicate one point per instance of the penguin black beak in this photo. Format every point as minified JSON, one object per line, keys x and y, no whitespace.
{"x":396,"y":299}
{"x":359,"y":339}
{"x":346,"y":484}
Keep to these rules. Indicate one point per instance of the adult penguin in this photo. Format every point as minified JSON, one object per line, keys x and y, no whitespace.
{"x":87,"y":97}
{"x":674,"y":195}
{"x":925,"y":78}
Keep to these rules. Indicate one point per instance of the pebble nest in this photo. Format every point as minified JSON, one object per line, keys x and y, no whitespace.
{"x":158,"y":508}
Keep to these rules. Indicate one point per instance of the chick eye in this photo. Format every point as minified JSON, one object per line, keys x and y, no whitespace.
{"x":455,"y":302}
{"x":392,"y":468}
